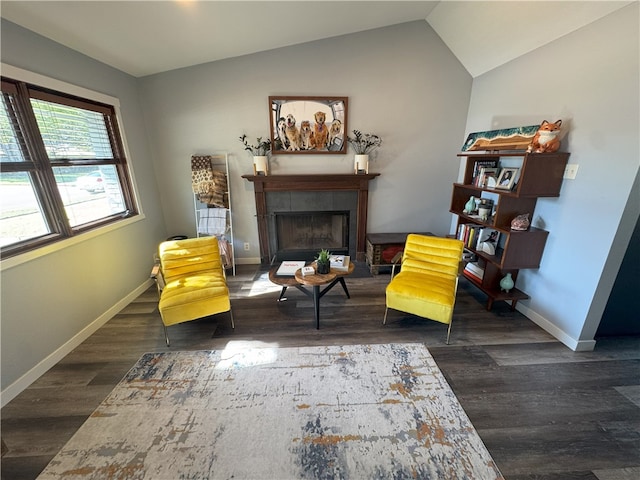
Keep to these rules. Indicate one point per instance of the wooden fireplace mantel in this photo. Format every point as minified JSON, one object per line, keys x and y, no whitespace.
{"x":310,"y":182}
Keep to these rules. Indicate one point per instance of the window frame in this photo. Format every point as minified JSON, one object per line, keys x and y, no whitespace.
{"x":29,"y":85}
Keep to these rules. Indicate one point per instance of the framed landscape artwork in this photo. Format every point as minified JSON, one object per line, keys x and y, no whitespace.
{"x":516,"y":138}
{"x":308,"y":125}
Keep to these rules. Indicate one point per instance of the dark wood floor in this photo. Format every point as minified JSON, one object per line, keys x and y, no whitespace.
{"x":543,"y":411}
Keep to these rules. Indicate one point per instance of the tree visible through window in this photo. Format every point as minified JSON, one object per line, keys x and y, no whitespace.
{"x":62,"y":167}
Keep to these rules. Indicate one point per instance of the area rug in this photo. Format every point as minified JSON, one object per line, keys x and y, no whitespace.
{"x":248,"y":412}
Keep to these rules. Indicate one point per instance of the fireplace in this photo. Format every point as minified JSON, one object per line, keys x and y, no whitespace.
{"x":300,"y":224}
{"x":343,"y":195}
{"x":301,"y":235}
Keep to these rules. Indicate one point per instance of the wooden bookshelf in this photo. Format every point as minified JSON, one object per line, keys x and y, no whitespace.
{"x":539,"y":175}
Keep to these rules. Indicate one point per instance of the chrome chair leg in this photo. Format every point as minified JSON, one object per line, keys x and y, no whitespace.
{"x":166,"y":334}
{"x":449,"y":331}
{"x":385,"y":315}
{"x":231,"y":315}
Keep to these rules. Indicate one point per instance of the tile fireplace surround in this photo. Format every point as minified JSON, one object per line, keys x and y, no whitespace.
{"x":266,"y":184}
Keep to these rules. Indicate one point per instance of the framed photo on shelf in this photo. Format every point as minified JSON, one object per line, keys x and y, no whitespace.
{"x":488,"y":177}
{"x":506,"y":178}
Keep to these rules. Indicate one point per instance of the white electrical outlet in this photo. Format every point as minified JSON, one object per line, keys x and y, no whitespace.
{"x":247,"y":246}
{"x":570,"y":171}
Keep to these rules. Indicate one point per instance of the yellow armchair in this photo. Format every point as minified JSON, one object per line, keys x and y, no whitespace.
{"x":428,"y":280}
{"x":191,"y":281}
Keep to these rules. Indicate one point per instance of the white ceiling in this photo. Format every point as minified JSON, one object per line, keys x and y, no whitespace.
{"x":147,"y":37}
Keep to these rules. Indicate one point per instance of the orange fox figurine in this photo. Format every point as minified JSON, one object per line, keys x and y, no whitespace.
{"x":546,"y":139}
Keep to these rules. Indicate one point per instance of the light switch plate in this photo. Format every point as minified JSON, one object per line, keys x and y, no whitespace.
{"x":570,"y":171}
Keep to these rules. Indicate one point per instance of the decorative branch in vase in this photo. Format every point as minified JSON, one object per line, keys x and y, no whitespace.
{"x":363,"y":144}
{"x":260,"y":149}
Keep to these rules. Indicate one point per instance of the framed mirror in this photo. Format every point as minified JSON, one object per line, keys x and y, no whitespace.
{"x":308,"y":125}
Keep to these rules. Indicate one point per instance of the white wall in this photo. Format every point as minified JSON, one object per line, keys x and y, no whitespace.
{"x":402,"y":83}
{"x":590,"y":80}
{"x":49,"y":302}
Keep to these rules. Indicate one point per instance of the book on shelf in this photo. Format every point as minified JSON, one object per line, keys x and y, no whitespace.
{"x":463,"y":230}
{"x":468,"y":233}
{"x":288,"y":268}
{"x":474,"y":235}
{"x":478,"y":164}
{"x":340,"y":262}
{"x":468,"y":274}
{"x":474,"y":271}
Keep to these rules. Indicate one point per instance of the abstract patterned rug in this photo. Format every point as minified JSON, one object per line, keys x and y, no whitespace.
{"x":256,"y":412}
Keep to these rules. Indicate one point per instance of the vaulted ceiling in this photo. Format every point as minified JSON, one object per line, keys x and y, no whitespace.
{"x":147,"y":37}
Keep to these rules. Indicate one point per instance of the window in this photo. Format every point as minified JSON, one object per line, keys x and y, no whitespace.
{"x":62,"y":167}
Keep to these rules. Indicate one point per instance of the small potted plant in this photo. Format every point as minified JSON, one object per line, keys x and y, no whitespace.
{"x":260,"y":151}
{"x":323,"y":261}
{"x":363,"y":144}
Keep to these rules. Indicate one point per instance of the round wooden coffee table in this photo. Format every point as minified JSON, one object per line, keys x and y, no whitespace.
{"x":282,"y":280}
{"x":314,"y":281}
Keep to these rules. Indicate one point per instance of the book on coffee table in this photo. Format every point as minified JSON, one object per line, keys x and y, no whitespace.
{"x":340,"y":262}
{"x":288,"y":268}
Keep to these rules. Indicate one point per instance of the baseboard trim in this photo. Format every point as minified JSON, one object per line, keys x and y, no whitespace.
{"x":17,"y":387}
{"x":561,"y":335}
{"x":248,"y":261}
